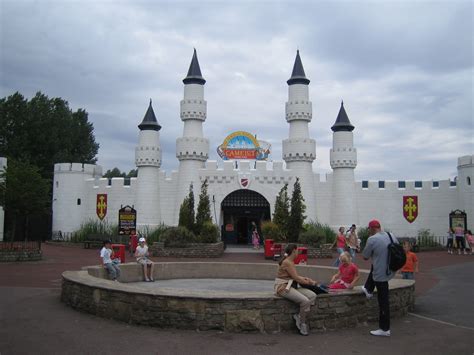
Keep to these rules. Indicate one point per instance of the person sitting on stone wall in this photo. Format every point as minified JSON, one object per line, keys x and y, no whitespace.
{"x":347,"y":275}
{"x":141,"y":253}
{"x":112,"y":267}
{"x":286,"y":284}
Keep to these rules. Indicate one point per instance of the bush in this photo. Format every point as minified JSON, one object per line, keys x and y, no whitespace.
{"x":312,"y":237}
{"x":209,"y":233}
{"x":91,"y":227}
{"x":153,"y":235}
{"x":177,"y":237}
{"x":271,"y":230}
{"x":363,"y":234}
{"x":426,"y":239}
{"x":324,"y":231}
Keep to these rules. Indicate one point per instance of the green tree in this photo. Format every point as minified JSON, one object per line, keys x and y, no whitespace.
{"x":186,"y":211}
{"x":281,"y":215}
{"x":295,"y":224}
{"x":23,"y":193}
{"x":115,"y":172}
{"x":44,"y":131}
{"x":204,"y":208}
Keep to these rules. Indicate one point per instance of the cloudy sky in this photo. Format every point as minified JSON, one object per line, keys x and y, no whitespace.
{"x":403,"y":68}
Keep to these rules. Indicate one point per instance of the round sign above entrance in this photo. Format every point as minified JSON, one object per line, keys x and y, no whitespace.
{"x":243,"y":145}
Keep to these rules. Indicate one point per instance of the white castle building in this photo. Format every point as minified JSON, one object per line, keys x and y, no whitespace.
{"x":245,"y":191}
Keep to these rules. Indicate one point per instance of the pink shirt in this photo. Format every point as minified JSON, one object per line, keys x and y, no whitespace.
{"x":348,"y":272}
{"x":341,"y":241}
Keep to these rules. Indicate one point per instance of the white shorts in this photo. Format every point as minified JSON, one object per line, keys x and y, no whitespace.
{"x":145,"y":261}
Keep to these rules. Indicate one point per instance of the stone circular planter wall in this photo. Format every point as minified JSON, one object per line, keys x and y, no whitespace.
{"x":192,"y":250}
{"x":89,"y":291}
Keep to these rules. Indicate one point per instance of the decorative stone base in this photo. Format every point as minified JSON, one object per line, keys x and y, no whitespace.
{"x":259,"y":311}
{"x":193,"y":250}
{"x":20,"y":255}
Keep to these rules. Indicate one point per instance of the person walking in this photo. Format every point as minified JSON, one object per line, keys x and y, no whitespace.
{"x":450,"y":241}
{"x":286,"y":283}
{"x":340,"y":244}
{"x":377,"y":250}
{"x":353,"y":241}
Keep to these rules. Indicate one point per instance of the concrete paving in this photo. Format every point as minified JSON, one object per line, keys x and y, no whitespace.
{"x":237,"y":286}
{"x":34,"y":321}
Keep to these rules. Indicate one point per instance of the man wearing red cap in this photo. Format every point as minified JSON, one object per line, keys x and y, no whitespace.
{"x":377,"y":250}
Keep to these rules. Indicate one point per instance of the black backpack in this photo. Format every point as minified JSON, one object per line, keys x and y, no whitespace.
{"x":396,"y":257}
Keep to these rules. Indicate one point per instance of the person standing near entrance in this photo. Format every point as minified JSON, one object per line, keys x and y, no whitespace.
{"x":255,"y":236}
{"x":377,"y":250}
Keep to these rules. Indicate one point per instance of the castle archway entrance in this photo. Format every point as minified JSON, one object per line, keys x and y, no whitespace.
{"x":240,"y":208}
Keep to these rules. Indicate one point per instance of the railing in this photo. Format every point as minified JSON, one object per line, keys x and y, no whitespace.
{"x":19,"y":246}
{"x":59,"y":236}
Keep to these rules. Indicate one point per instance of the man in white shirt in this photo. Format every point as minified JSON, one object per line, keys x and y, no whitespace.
{"x":112,"y":267}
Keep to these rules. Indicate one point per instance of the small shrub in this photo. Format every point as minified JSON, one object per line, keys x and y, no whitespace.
{"x":153,"y":235}
{"x":209,"y":233}
{"x":271,"y":230}
{"x":312,"y":237}
{"x":363,"y":234}
{"x":323,"y":230}
{"x":92,"y":227}
{"x":177,"y":237}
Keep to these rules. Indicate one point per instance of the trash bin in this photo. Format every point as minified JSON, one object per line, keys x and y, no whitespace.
{"x":119,"y":252}
{"x":302,"y":257}
{"x":268,"y":252}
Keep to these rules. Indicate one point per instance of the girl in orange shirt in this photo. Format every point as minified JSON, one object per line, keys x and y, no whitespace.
{"x":411,"y":266}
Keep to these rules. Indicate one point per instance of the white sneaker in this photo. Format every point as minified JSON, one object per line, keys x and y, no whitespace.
{"x":304,"y":329}
{"x":380,"y":333}
{"x":296,"y":317}
{"x":367,"y":293}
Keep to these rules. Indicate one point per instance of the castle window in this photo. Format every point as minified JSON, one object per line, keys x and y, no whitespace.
{"x":468,"y":180}
{"x":435,"y":183}
{"x":78,"y":201}
{"x":126,"y":181}
{"x":402,"y":184}
{"x":381,"y":184}
{"x":365,"y":184}
{"x":109,"y":182}
{"x":418,"y":184}
{"x":452,"y":183}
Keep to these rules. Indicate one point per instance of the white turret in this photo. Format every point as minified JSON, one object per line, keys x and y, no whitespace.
{"x":343,"y":159}
{"x":465,"y":186}
{"x":299,"y":150}
{"x":192,"y":149}
{"x":148,"y":162}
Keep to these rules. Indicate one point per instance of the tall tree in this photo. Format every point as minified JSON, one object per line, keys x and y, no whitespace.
{"x":23,"y":193}
{"x":204,"y":208}
{"x":297,"y":217}
{"x":186,"y":211}
{"x":44,"y":131}
{"x":281,"y":215}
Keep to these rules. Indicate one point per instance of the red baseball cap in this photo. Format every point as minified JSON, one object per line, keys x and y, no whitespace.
{"x":374,"y":224}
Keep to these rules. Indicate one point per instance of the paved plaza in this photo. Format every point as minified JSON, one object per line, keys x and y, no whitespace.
{"x":34,"y":321}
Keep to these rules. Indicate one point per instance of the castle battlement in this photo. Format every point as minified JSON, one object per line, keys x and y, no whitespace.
{"x":410,"y":185}
{"x":91,"y":169}
{"x":466,"y":161}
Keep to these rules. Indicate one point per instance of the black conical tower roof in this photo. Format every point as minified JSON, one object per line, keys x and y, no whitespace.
{"x":194,"y":73}
{"x":342,"y":121}
{"x":149,"y":121}
{"x":298,"y":76}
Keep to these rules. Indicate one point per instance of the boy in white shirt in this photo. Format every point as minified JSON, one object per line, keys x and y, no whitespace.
{"x":141,"y":253}
{"x":106,"y":254}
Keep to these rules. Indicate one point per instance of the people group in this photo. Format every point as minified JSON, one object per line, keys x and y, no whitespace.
{"x":460,"y":239}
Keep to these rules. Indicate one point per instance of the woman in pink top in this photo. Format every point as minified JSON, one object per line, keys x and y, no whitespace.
{"x":340,"y":244}
{"x":347,"y":276}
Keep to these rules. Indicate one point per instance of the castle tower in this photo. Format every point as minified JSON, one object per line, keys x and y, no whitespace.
{"x":148,"y":162}
{"x":343,"y":159}
{"x":299,"y":150}
{"x":192,"y":149}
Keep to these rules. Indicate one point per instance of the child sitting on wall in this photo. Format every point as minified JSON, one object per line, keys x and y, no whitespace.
{"x":112,"y":266}
{"x":141,"y":253}
{"x":347,"y":275}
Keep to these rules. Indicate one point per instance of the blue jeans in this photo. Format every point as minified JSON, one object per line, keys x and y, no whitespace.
{"x":407,"y":275}
{"x":339,"y":252}
{"x":352,"y":251}
{"x":113,"y":270}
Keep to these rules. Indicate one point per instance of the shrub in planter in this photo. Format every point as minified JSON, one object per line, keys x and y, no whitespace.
{"x":209,"y":233}
{"x":271,"y":230}
{"x":323,"y":230}
{"x":312,"y":237}
{"x":177,"y":237}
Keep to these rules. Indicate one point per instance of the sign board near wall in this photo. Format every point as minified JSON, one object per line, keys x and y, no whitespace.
{"x":243,"y":145}
{"x":127,"y":220}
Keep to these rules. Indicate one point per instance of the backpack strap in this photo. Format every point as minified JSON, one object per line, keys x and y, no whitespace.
{"x":390,"y":236}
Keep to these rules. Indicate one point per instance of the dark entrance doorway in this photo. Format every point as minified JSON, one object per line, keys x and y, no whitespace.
{"x":240,"y":208}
